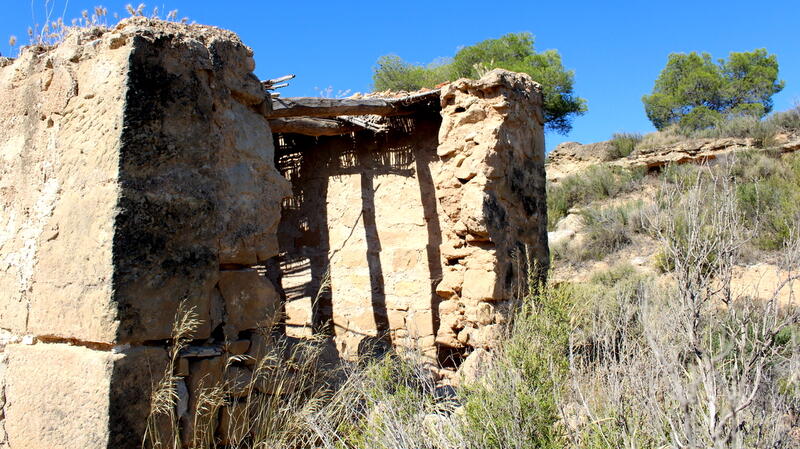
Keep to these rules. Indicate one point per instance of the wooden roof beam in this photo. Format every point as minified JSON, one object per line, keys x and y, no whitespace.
{"x":333,"y":107}
{"x":311,"y":126}
{"x":330,"y":107}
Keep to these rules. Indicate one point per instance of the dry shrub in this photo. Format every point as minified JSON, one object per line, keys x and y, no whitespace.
{"x":292,"y":371}
{"x":686,"y":363}
{"x":762,"y":131}
{"x":659,"y":139}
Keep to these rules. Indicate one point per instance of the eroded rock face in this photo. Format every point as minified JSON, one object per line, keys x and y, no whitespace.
{"x":136,"y":173}
{"x":570,"y":158}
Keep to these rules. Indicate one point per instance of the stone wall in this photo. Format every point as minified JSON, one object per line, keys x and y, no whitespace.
{"x":364,"y":217}
{"x":490,"y":187}
{"x":451,"y":199}
{"x":138,"y":179}
{"x":136,"y":173}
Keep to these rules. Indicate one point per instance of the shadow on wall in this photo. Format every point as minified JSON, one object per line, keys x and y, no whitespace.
{"x":407,"y":151}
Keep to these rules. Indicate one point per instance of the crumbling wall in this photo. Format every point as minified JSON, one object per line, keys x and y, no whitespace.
{"x":136,"y":174}
{"x":137,"y":178}
{"x":453,"y":199}
{"x":491,"y":190}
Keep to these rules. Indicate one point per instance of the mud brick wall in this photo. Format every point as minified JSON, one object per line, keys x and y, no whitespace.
{"x":363,"y":223}
{"x":136,"y":173}
{"x":452,"y":199}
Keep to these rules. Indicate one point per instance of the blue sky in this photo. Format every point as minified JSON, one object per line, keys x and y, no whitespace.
{"x":616,"y":48}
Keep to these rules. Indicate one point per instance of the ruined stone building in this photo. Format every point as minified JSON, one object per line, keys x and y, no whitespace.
{"x":146,"y":166}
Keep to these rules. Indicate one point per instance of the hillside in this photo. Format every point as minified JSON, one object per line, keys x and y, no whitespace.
{"x":602,"y":205}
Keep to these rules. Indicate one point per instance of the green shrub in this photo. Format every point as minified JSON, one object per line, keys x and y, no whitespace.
{"x":622,"y":145}
{"x":608,"y":229}
{"x":615,"y":275}
{"x":663,"y":262}
{"x":515,"y":405}
{"x":596,"y":183}
{"x":680,"y":174}
{"x":786,"y":120}
{"x":768,"y":194}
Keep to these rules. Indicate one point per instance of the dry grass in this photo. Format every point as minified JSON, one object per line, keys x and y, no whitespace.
{"x":624,"y":360}
{"x":762,"y":131}
{"x":598,"y":182}
{"x":54,"y":29}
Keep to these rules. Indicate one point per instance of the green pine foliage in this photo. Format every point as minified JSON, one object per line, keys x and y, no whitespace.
{"x":514,"y":51}
{"x":695,"y":92}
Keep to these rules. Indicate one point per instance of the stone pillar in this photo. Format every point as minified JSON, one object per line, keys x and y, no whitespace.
{"x":491,"y":192}
{"x":136,"y":173}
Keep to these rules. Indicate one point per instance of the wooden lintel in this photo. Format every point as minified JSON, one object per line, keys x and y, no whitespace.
{"x":331,"y":107}
{"x":311,"y":126}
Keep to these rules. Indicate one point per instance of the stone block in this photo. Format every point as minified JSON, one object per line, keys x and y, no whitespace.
{"x":238,"y":380}
{"x":238,"y":347}
{"x":251,"y":300}
{"x":477,"y":363}
{"x":451,"y":283}
{"x":260,"y":346}
{"x":481,"y":284}
{"x":481,"y":313}
{"x":397,"y":319}
{"x":62,"y":396}
{"x":413,"y":289}
{"x":204,"y":375}
{"x":420,"y":323}
{"x":405,"y":259}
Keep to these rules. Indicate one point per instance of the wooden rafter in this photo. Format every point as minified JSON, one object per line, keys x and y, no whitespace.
{"x":333,"y":107}
{"x":311,"y":126}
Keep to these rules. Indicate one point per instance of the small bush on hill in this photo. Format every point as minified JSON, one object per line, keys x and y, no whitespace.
{"x":786,"y":120}
{"x":766,"y":188}
{"x":596,"y":183}
{"x":680,"y":174}
{"x":769,"y":196}
{"x":607,"y":230}
{"x":622,"y":145}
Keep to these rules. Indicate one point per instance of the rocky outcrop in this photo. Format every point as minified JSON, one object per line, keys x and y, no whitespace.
{"x":136,"y":174}
{"x":571,"y":157}
{"x":689,"y":151}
